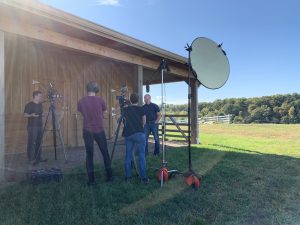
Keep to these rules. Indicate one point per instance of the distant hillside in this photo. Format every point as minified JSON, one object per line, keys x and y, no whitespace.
{"x":267,"y":109}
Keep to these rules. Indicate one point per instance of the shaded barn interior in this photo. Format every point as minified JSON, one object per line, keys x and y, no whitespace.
{"x":32,"y":65}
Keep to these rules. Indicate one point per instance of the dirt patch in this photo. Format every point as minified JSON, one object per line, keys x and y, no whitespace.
{"x":17,"y":165}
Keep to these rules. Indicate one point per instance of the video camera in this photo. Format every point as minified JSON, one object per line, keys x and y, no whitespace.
{"x":123,"y":102}
{"x":53,"y":93}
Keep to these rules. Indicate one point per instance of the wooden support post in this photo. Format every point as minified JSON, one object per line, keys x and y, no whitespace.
{"x":140,"y":84}
{"x":2,"y":109}
{"x":194,"y":113}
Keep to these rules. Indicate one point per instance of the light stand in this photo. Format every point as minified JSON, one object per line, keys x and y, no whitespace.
{"x":191,"y":178}
{"x":163,"y":173}
{"x":209,"y":61}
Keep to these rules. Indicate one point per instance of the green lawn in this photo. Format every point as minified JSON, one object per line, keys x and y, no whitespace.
{"x":251,"y":175}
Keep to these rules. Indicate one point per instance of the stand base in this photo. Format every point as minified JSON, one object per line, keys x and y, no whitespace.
{"x":192,"y":179}
{"x":163,"y":175}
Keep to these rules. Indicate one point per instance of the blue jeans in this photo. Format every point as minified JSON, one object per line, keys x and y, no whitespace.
{"x":152,"y":127}
{"x":130,"y":141}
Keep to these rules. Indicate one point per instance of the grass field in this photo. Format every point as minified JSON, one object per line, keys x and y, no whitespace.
{"x":251,"y":175}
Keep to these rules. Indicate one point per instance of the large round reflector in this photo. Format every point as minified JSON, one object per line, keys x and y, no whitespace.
{"x":210,"y":63}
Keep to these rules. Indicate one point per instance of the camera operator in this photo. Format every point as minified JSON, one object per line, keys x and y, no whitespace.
{"x":92,"y":109}
{"x":134,"y":120}
{"x":34,"y":111}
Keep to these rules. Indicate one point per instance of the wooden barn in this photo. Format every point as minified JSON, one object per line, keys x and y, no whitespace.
{"x":41,"y":45}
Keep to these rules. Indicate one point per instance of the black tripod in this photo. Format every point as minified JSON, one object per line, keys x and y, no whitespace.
{"x":55,"y":127}
{"x":120,"y":121}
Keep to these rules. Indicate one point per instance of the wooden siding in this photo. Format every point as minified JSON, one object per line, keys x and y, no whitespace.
{"x":28,"y":60}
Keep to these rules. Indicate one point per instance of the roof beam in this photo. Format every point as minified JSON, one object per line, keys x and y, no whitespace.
{"x":65,"y":41}
{"x":53,"y":14}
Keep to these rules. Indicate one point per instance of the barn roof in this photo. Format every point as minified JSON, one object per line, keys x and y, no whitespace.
{"x":36,"y":20}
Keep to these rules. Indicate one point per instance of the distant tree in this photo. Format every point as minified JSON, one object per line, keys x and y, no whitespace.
{"x":238,"y":119}
{"x":285,"y":119}
{"x":266,"y":109}
{"x":292,"y":115}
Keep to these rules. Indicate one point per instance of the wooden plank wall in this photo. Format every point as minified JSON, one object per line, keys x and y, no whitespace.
{"x":27,"y":60}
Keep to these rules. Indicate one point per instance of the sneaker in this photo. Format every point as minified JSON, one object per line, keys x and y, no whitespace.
{"x":145,"y":180}
{"x":128,"y":180}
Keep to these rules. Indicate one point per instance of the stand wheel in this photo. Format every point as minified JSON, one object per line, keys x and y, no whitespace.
{"x":162,"y":173}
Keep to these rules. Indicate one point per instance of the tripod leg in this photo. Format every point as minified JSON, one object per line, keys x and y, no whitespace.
{"x":61,"y":138}
{"x":54,"y":130}
{"x":116,"y":137}
{"x":43,"y":133}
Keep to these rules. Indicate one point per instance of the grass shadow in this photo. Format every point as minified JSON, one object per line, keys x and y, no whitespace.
{"x":237,"y":188}
{"x":234,"y":148}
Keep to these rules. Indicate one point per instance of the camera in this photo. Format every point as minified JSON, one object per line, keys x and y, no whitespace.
{"x":53,"y":93}
{"x":123,"y":102}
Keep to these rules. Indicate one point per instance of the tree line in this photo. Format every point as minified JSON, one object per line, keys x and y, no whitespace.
{"x":266,"y":109}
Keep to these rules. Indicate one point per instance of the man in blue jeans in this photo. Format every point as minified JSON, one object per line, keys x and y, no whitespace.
{"x":153,"y":116}
{"x":134,"y":120}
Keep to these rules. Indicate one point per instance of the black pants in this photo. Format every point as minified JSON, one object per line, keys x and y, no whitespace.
{"x":100,"y":139}
{"x":34,"y":148}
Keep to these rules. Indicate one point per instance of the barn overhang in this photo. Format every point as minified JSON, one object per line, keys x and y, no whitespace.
{"x":41,"y":22}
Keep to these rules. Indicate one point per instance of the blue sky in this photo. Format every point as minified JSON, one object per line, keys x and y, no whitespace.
{"x":261,"y":38}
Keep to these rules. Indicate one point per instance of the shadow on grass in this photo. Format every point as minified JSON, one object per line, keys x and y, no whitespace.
{"x":237,"y":188}
{"x":234,"y":148}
